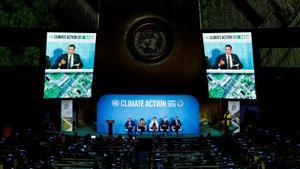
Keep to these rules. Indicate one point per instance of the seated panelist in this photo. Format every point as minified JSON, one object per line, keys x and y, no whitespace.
{"x":176,"y":124}
{"x":154,"y":125}
{"x":129,"y":125}
{"x":164,"y":124}
{"x":142,"y":125}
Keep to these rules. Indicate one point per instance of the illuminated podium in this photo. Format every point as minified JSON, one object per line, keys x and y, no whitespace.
{"x":110,"y":126}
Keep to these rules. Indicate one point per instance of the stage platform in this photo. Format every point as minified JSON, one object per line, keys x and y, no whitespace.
{"x":84,"y":129}
{"x":135,"y":135}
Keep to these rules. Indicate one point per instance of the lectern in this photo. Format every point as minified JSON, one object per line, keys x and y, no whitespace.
{"x":110,"y":126}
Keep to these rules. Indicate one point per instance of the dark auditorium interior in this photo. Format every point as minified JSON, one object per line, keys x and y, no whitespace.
{"x":138,"y":61}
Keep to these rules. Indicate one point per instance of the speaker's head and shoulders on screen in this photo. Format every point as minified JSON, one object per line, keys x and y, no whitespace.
{"x":228,"y":60}
{"x":69,"y":60}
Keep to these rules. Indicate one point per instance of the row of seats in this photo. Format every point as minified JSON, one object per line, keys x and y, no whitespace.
{"x":265,"y":148}
{"x":188,"y":153}
{"x":45,"y":150}
{"x":258,"y":148}
{"x":102,"y":153}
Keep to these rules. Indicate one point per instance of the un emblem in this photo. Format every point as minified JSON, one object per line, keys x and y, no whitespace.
{"x":180,"y":103}
{"x":115,"y":103}
{"x":149,"y":43}
{"x":150,"y":40}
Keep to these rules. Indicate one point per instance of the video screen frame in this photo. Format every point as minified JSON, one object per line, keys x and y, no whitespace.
{"x":243,"y":67}
{"x":83,"y":47}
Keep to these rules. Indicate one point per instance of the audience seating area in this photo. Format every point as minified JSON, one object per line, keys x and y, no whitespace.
{"x":257,"y":148}
{"x":43,"y":150}
{"x":266,"y":148}
{"x":189,"y":153}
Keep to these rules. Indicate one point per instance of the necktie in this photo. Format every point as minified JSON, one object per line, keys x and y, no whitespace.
{"x":69,"y":61}
{"x":228,"y":62}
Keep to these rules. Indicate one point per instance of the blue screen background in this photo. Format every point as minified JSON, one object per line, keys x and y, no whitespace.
{"x":188,"y":112}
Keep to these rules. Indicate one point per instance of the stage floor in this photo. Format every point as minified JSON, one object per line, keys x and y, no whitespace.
{"x":88,"y":129}
{"x":84,"y":129}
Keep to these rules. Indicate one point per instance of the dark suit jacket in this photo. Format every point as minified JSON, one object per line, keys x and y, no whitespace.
{"x":127,"y":124}
{"x":174,"y":123}
{"x":235,"y":61}
{"x":162,"y":123}
{"x":76,"y":60}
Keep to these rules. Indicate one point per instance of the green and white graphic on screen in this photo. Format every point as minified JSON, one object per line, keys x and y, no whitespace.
{"x":231,"y":86}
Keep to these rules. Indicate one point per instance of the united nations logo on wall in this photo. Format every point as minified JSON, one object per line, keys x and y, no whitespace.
{"x":150,"y":40}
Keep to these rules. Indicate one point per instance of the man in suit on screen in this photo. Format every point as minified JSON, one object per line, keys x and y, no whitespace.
{"x":228,"y":60}
{"x":69,"y":60}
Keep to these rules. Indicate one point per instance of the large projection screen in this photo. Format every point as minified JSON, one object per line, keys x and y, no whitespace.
{"x":230,"y":69}
{"x":69,"y":65}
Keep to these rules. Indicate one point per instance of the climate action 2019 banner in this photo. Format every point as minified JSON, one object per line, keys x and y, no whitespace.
{"x":120,"y":107}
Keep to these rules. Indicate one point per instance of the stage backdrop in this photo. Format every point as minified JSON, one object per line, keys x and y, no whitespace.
{"x":120,"y":107}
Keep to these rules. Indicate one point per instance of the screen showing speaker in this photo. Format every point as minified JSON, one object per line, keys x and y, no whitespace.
{"x":69,"y":65}
{"x":230,"y":65}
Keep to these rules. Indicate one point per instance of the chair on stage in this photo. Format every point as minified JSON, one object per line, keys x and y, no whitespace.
{"x":174,"y":129}
{"x":139,"y":130}
{"x":162,"y":130}
{"x":153,"y":131}
{"x":132,"y":130}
